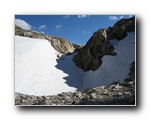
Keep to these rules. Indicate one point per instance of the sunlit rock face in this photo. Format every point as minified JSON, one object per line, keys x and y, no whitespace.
{"x":60,"y":44}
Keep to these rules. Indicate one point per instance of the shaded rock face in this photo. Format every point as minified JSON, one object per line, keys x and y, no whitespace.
{"x":77,"y":47}
{"x":89,"y":57}
{"x":59,"y":44}
{"x":131,"y":75}
{"x":120,"y":29}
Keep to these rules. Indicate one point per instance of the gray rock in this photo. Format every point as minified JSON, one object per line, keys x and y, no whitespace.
{"x":115,"y":89}
{"x":127,"y":93}
{"x":89,"y":57}
{"x":24,"y":102}
{"x":48,"y":102}
{"x":102,"y":87}
{"x":63,"y":94}
{"x":86,"y":101}
{"x":100,"y":96}
{"x":79,"y":94}
{"x":84,"y":95}
{"x":53,"y":104}
{"x":17,"y":102}
{"x":93,"y":96}
{"x":105,"y":92}
{"x":119,"y":94}
{"x":40,"y":102}
{"x":48,"y":97}
{"x":120,"y":29}
{"x":117,"y":86}
{"x":62,"y":46}
{"x":131,"y":82}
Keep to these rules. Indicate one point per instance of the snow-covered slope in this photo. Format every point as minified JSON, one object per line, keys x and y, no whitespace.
{"x":38,"y":70}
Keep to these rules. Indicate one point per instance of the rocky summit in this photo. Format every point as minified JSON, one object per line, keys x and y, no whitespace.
{"x":120,"y":29}
{"x":59,"y":44}
{"x":89,"y":57}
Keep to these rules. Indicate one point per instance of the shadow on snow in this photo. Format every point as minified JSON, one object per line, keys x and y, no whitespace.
{"x":73,"y":78}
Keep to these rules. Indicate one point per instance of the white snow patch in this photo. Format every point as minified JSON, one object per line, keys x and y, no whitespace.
{"x":36,"y":72}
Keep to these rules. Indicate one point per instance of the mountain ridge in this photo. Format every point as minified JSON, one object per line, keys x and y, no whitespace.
{"x":89,"y":57}
{"x":60,"y":44}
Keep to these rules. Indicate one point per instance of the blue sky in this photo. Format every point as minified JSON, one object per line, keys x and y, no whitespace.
{"x":74,"y":28}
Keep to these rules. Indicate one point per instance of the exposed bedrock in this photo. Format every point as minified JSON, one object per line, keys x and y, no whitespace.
{"x":89,"y":57}
{"x":120,"y":29}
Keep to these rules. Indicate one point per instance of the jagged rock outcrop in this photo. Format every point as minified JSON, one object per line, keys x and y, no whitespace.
{"x":120,"y":29}
{"x":63,"y":46}
{"x":26,"y":33}
{"x":77,"y":47}
{"x":89,"y":57}
{"x":59,"y":44}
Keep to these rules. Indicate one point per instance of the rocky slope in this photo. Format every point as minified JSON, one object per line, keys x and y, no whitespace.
{"x":114,"y":94}
{"x":59,"y":44}
{"x":89,"y":57}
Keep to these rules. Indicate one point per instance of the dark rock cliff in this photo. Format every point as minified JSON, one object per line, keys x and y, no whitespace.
{"x":120,"y":29}
{"x":89,"y":58}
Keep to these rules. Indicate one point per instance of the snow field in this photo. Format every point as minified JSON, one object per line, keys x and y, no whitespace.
{"x":38,"y":70}
{"x":35,"y":71}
